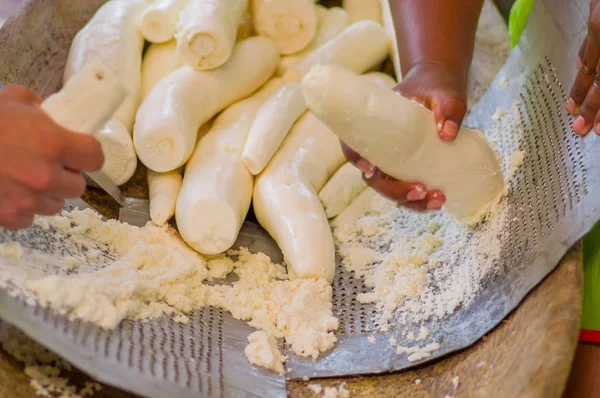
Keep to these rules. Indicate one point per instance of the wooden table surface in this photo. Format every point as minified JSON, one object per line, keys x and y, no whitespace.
{"x":584,"y":379}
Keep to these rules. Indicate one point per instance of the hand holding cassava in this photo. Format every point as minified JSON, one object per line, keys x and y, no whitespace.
{"x":435,"y":42}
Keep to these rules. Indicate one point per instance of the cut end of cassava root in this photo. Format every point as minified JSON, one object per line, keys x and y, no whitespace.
{"x":156,"y":26}
{"x":203,"y":45}
{"x":207,"y":31}
{"x":218,"y":230}
{"x":120,"y":160}
{"x":292,"y":24}
{"x":161,"y":151}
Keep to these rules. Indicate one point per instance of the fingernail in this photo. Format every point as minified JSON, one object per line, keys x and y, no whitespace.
{"x":449,"y":130}
{"x":417,"y":193}
{"x":578,"y":125}
{"x":579,"y":63}
{"x":435,"y":204}
{"x":571,"y":106}
{"x":367,"y":168}
{"x":597,"y":129}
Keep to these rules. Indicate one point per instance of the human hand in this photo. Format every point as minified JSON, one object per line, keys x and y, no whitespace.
{"x":584,"y":101}
{"x":41,"y":163}
{"x":442,"y":91}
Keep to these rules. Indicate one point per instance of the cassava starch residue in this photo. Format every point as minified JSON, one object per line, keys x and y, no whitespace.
{"x":421,"y":267}
{"x":117,"y":271}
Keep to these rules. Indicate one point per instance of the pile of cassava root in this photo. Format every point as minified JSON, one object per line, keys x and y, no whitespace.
{"x":217,"y":109}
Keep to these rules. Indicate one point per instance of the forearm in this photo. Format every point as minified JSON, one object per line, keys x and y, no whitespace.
{"x":436,"y":31}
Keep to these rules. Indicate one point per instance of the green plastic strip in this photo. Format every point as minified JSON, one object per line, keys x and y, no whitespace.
{"x":591,"y":280}
{"x":519,"y":13}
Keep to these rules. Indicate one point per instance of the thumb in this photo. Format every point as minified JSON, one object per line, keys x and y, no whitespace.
{"x":81,"y":152}
{"x":449,"y":112}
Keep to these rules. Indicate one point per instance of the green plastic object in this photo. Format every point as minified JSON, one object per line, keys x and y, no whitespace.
{"x":590,"y":318}
{"x":519,"y":13}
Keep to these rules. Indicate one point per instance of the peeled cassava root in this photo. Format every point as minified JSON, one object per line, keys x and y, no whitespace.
{"x":276,"y":117}
{"x":168,"y":119}
{"x":87,"y":100}
{"x":163,"y":191}
{"x":347,"y":183}
{"x":158,"y":21}
{"x":369,"y":117}
{"x":363,"y":10}
{"x":217,"y":188}
{"x":361,"y":204}
{"x":331,"y":22}
{"x":273,"y":122}
{"x":159,"y":62}
{"x":283,"y":108}
{"x":357,"y":48}
{"x":292,"y":24}
{"x":207,"y":31}
{"x":286,"y":202}
{"x":390,"y":30}
{"x":341,"y":189}
{"x":164,"y":188}
{"x":113,"y":35}
{"x":120,"y":160}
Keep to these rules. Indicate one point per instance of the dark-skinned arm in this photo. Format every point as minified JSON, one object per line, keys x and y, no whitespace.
{"x":435,"y":39}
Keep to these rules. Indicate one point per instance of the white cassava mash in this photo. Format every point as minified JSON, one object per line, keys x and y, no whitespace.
{"x":108,"y":271}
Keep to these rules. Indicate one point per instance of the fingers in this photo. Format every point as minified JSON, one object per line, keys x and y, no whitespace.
{"x":439,"y":89}
{"x":358,"y":161}
{"x":581,"y":86}
{"x":48,"y":206}
{"x":19,"y":205}
{"x":449,"y":111}
{"x":434,"y":201}
{"x":14,"y":222}
{"x":67,"y":184}
{"x":389,"y":187}
{"x":589,"y":109}
{"x":412,"y":195}
{"x":80,"y":152}
{"x":20,"y":94}
{"x":587,"y":65}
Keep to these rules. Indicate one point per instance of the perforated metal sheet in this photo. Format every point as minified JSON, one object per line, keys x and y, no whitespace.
{"x":160,"y":358}
{"x":553,"y":200}
{"x":552,"y":203}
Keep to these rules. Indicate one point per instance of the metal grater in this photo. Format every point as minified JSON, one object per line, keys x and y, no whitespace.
{"x":161,"y":358}
{"x":205,"y":357}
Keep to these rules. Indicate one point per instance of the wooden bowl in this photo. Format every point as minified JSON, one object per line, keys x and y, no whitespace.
{"x":529,"y":355}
